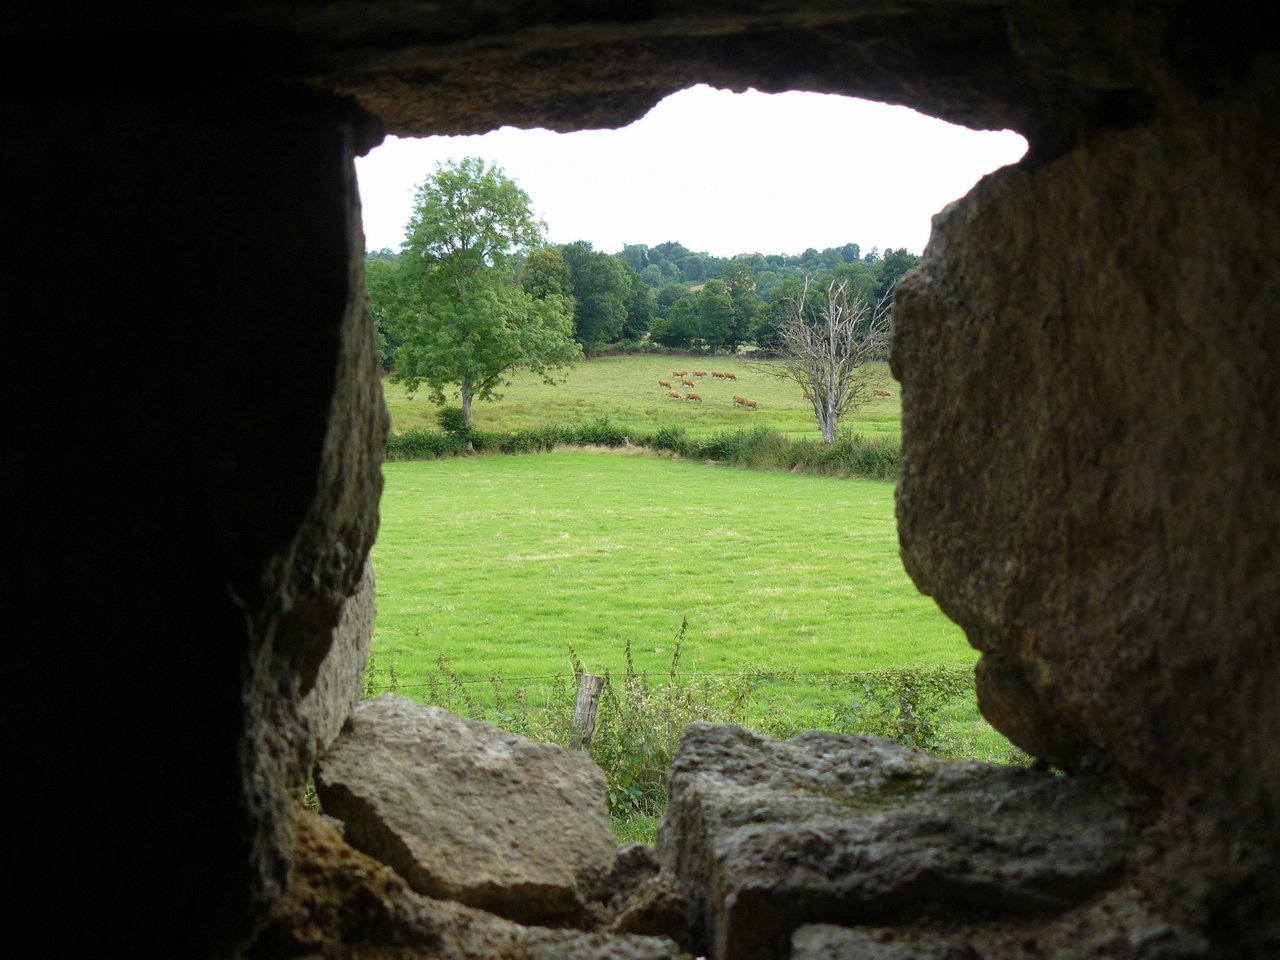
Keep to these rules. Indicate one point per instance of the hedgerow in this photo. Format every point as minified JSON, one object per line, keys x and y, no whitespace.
{"x":762,"y":448}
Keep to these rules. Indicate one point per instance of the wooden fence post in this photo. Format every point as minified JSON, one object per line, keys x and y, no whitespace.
{"x":584,"y":711}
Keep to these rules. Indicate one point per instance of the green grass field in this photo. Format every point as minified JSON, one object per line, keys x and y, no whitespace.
{"x":625,"y":390}
{"x":501,"y":564}
{"x":790,"y":583}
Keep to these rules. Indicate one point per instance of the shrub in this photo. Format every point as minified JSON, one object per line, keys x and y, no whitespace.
{"x":453,"y":421}
{"x":640,"y":723}
{"x":602,"y":433}
{"x":760,"y":447}
{"x":667,"y":438}
{"x":904,"y":704}
{"x":424,"y":445}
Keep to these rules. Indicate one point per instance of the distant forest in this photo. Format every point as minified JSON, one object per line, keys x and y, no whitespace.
{"x":665,"y":294}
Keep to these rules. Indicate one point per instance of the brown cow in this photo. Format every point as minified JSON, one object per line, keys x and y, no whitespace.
{"x":730,"y":376}
{"x":718,"y":374}
{"x":751,"y":404}
{"x":881,"y":393}
{"x":678,"y":396}
{"x":687,"y":383}
{"x":740,"y":400}
{"x":679,"y":373}
{"x":665,"y":383}
{"x":699,"y":373}
{"x":694,"y":396}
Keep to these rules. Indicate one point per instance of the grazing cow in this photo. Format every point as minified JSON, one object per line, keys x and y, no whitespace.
{"x":665,"y":383}
{"x":740,"y":400}
{"x":694,"y":396}
{"x":678,"y":396}
{"x":687,"y":383}
{"x":679,"y":373}
{"x":751,"y":404}
{"x":699,"y":373}
{"x":881,"y":393}
{"x":730,"y":376}
{"x":718,"y":374}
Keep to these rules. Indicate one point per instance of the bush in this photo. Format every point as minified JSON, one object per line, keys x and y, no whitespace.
{"x":453,"y":421}
{"x":640,"y":723}
{"x":667,"y":438}
{"x":602,"y":433}
{"x":424,"y":445}
{"x":760,"y":447}
{"x":904,"y":704}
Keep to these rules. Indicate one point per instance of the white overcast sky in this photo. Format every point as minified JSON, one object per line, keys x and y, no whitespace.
{"x":719,"y":172}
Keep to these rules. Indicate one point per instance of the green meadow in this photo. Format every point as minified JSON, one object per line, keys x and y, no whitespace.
{"x":500,"y":563}
{"x":624,"y":389}
{"x":771,"y":598}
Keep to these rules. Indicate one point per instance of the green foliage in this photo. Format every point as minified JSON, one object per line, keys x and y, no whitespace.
{"x":546,"y":273}
{"x":759,"y":447}
{"x":680,"y":325}
{"x":424,"y":445}
{"x":715,"y":314}
{"x":452,"y":420}
{"x":906,"y":704}
{"x":602,"y":290}
{"x":640,"y":723}
{"x":382,"y":279}
{"x":641,"y":309}
{"x":462,"y":318}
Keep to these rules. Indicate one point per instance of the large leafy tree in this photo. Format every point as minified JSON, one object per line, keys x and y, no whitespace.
{"x":641,"y":307}
{"x":715,"y":314}
{"x":382,"y":280}
{"x":601,"y":291}
{"x":747,"y":306}
{"x":463,"y":318}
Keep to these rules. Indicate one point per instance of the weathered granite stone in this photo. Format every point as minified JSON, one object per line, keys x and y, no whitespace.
{"x":637,"y":863}
{"x":345,"y":905}
{"x":826,"y":942}
{"x":340,"y":679}
{"x":181,"y":182}
{"x":765,"y":835}
{"x":467,"y":812}
{"x":657,"y":907}
{"x":1091,"y":473}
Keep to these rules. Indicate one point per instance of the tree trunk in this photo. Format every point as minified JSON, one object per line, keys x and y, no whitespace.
{"x":465,"y":390}
{"x":829,"y":425}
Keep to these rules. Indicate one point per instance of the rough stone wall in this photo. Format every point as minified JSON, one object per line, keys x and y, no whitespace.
{"x":1091,"y":461}
{"x":191,"y":449}
{"x":192,"y":425}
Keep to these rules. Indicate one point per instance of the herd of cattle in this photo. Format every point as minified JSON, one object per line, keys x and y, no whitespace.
{"x":684,"y":375}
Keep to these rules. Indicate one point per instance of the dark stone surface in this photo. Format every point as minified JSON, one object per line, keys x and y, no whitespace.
{"x":765,"y":835}
{"x":1090,"y":480}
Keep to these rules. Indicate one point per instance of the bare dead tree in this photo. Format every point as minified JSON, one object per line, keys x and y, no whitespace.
{"x":826,"y":350}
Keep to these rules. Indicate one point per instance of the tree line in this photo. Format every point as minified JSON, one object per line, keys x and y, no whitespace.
{"x":475,"y":291}
{"x":701,"y":302}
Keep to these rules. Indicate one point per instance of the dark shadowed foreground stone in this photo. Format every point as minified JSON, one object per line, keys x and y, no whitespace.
{"x":467,"y":812}
{"x":768,"y":835}
{"x":344,"y":905}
